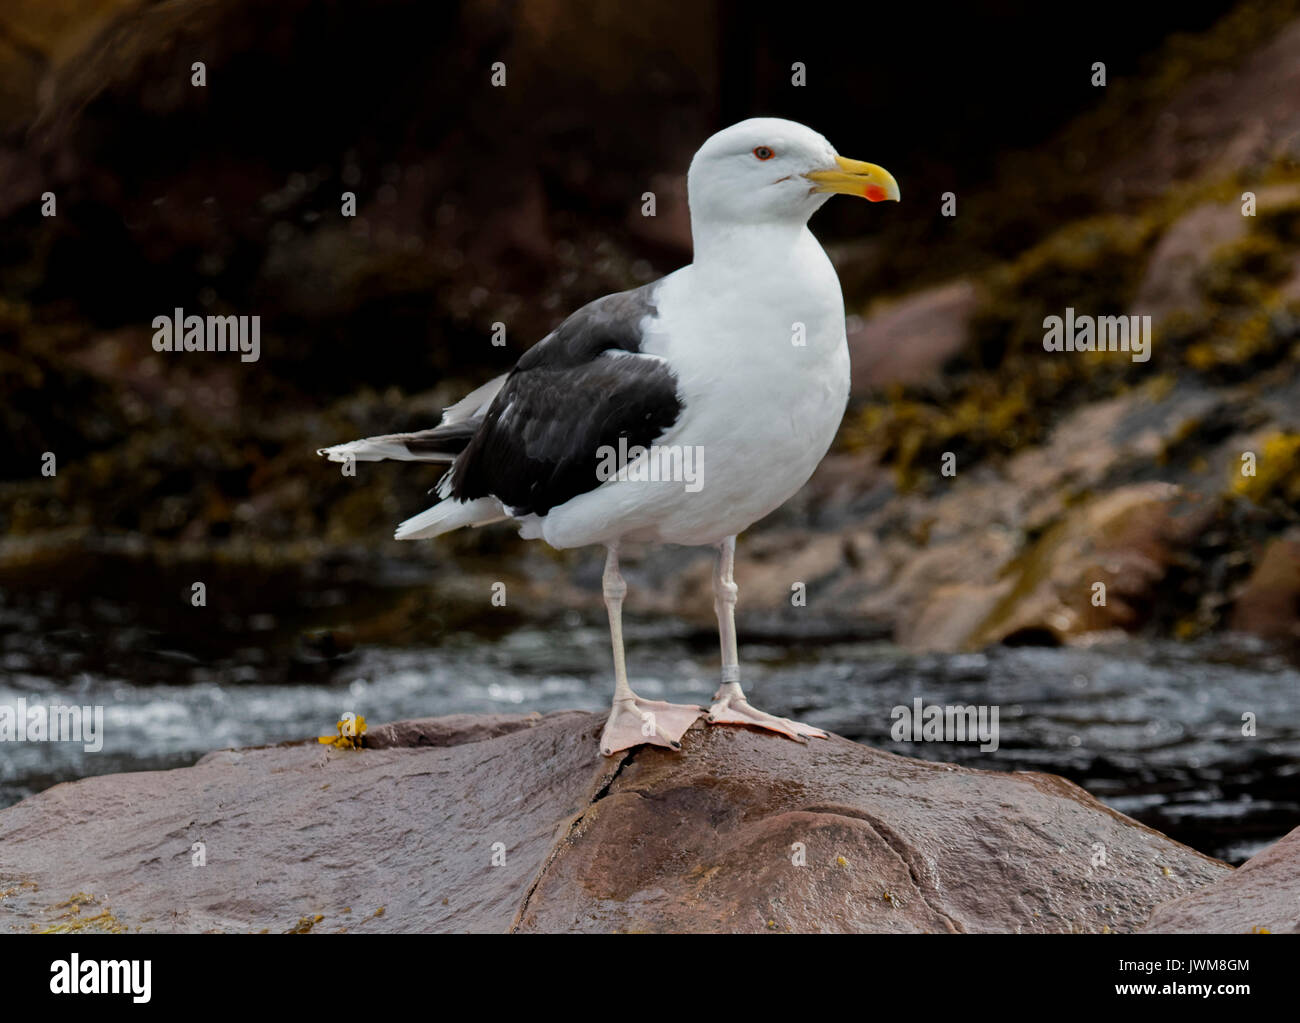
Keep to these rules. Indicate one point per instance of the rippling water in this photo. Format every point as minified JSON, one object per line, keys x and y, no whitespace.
{"x":1153,"y":730}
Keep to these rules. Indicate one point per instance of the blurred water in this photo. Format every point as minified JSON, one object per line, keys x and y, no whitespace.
{"x":1153,"y":730}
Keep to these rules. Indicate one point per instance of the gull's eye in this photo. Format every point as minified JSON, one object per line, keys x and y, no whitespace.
{"x":763,"y":153}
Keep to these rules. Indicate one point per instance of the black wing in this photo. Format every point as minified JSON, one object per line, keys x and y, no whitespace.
{"x":538,"y":444}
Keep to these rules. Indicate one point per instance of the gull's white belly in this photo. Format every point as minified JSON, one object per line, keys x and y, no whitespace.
{"x":759,"y":412}
{"x":761,"y":435}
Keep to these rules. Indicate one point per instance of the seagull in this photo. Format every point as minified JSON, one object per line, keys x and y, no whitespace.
{"x":679,"y":412}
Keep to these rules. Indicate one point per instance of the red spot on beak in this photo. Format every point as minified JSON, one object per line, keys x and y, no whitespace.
{"x":874,"y":193}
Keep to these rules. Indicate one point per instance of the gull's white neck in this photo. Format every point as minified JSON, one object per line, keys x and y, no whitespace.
{"x":752,"y":283}
{"x":722,"y":245}
{"x":764,"y":261}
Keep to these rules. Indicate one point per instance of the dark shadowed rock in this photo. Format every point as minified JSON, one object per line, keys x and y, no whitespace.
{"x":741,"y":831}
{"x":1263,"y":894}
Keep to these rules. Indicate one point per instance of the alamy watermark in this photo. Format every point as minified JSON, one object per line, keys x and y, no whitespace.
{"x":656,"y":464}
{"x":1073,"y":333}
{"x":55,"y":723}
{"x":181,"y":333}
{"x":73,"y":976}
{"x":919,"y":723}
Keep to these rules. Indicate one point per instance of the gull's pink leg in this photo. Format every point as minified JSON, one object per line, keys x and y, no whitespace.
{"x":729,"y":704}
{"x":632,"y":720}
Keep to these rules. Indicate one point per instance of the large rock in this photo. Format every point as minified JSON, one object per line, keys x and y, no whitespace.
{"x":1101,"y":566}
{"x":909,"y":340}
{"x":1171,"y":283}
{"x":1269,"y":602}
{"x":741,"y":831}
{"x":1172,"y":280}
{"x":1008,"y":551}
{"x":1263,"y":894}
{"x":393,"y":839}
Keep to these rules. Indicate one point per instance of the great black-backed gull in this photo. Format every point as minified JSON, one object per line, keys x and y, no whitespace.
{"x":679,"y":412}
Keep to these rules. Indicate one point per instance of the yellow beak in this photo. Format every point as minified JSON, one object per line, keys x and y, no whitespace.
{"x":853,"y":177}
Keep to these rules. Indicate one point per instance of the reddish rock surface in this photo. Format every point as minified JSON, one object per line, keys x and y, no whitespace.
{"x":1220,"y":121}
{"x":403,"y":838}
{"x":908,"y":341}
{"x":1263,"y":894}
{"x":1269,"y":603}
{"x":1172,"y":280}
{"x":1170,"y":283}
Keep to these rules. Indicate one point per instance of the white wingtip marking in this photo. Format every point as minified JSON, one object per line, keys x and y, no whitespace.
{"x":369,"y":450}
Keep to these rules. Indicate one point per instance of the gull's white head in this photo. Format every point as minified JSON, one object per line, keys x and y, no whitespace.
{"x":768,"y":170}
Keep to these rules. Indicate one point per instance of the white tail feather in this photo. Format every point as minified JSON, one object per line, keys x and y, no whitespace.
{"x":448,"y":515}
{"x":376,"y":449}
{"x":393,"y":446}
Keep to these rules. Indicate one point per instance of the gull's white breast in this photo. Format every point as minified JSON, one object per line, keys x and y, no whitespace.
{"x":759,"y":351}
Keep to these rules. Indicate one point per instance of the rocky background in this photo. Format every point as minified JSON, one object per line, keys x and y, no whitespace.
{"x":478,"y":204}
